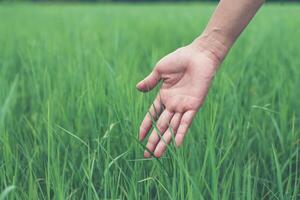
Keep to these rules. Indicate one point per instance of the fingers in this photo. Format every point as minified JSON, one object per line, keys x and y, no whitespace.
{"x":161,"y":126}
{"x":149,"y":82}
{"x":153,"y":113}
{"x":185,"y":123}
{"x":167,"y":136}
{"x":168,"y":124}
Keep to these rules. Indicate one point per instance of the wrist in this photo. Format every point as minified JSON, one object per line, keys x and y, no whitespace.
{"x":215,"y":47}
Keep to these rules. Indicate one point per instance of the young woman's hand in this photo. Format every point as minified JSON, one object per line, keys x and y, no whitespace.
{"x":186,"y":75}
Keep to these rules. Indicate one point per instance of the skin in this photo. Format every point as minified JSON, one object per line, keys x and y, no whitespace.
{"x":186,"y":75}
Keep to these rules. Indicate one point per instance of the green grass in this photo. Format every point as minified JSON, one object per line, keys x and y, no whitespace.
{"x":70,"y":113}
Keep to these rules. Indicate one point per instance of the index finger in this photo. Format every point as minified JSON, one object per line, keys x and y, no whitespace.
{"x":153,"y":114}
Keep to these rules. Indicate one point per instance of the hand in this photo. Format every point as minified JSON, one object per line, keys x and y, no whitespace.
{"x":186,"y":74}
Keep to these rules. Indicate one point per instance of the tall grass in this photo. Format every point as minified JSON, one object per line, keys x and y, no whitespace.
{"x":70,"y":113}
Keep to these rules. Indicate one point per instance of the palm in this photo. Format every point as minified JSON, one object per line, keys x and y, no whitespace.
{"x":186,"y":76}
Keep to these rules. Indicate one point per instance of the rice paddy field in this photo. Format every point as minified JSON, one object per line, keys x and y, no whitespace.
{"x":70,"y":112}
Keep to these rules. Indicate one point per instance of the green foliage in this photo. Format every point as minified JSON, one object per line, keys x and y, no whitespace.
{"x":70,"y":113}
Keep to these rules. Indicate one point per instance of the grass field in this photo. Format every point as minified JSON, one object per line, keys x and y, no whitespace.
{"x":70,"y":113}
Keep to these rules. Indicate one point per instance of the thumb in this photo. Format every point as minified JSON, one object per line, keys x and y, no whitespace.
{"x":149,"y":82}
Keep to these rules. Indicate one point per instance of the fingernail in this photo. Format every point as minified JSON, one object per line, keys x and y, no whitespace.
{"x":140,"y":85}
{"x":147,"y":154}
{"x":157,"y":154}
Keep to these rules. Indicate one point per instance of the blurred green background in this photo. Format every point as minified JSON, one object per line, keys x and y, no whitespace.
{"x":70,"y":112}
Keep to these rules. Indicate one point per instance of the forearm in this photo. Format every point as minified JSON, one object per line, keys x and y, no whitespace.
{"x":228,"y":21}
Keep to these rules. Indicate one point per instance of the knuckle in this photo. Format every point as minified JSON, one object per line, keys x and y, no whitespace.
{"x":173,"y":129}
{"x":151,"y":115}
{"x":162,"y":126}
{"x":157,"y":68}
{"x":157,"y":154}
{"x":160,"y":66}
{"x":164,"y":140}
{"x":142,"y":129}
{"x":152,"y":141}
{"x":184,"y":122}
